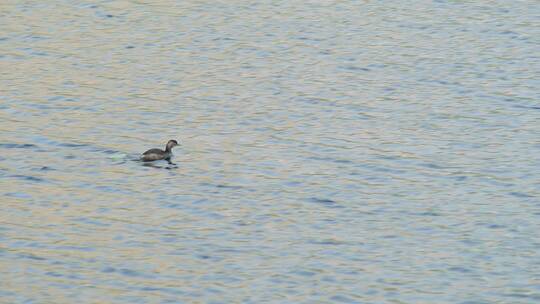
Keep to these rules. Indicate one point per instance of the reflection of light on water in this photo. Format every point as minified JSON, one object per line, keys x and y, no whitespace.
{"x":118,"y":156}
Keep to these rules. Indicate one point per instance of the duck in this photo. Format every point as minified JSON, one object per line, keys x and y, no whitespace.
{"x":158,"y":154}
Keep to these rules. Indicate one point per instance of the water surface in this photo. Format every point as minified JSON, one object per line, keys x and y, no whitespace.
{"x":331,"y":152}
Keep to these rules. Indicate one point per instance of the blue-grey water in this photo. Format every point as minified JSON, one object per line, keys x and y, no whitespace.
{"x":331,"y":151}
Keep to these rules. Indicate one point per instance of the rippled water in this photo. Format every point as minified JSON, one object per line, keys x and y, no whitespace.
{"x":331,"y":151}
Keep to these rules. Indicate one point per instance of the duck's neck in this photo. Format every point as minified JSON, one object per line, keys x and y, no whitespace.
{"x":168,"y":149}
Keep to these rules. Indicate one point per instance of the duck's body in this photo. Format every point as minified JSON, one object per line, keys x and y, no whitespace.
{"x":158,"y":154}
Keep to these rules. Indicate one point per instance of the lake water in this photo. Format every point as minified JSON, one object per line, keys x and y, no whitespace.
{"x":331,"y":152}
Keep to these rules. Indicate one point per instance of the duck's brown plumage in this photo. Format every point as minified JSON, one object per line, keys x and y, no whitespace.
{"x":158,"y":154}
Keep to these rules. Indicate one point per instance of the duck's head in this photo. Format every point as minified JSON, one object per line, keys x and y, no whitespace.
{"x":171,"y":143}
